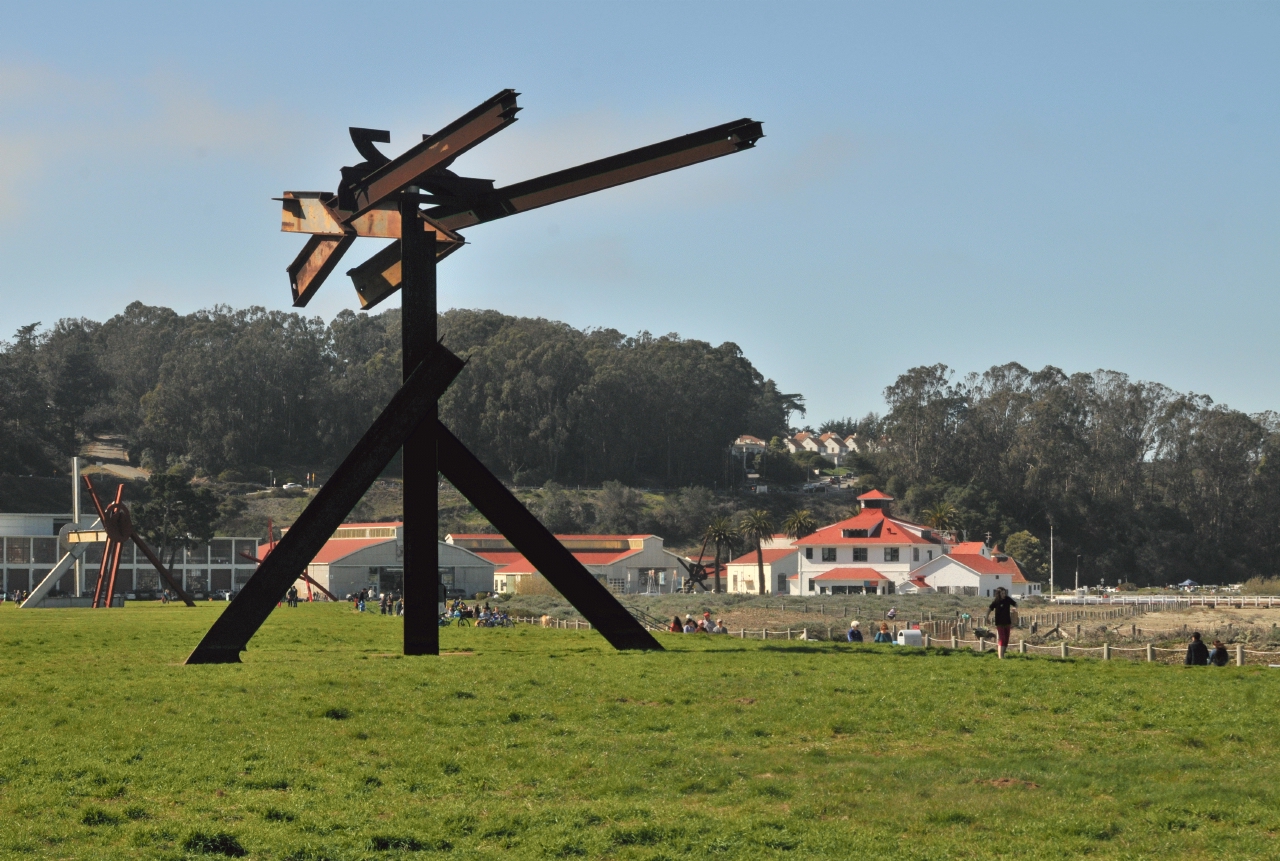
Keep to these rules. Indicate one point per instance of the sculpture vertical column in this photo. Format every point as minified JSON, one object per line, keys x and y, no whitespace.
{"x":418,"y":457}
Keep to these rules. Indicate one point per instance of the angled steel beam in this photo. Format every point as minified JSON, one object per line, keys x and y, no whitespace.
{"x":553,"y":561}
{"x":379,"y":276}
{"x":435,"y":152}
{"x":607,"y":172}
{"x":314,"y":263}
{"x":414,"y":403}
{"x":325,"y":248}
{"x":311,"y":212}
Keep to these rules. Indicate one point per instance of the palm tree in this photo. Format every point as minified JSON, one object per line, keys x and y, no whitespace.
{"x":756,"y":527}
{"x":942,"y":516}
{"x":719,"y":531}
{"x":799,"y":524}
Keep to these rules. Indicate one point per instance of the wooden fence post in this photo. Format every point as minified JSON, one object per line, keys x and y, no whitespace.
{"x":1239,"y":655}
{"x":1022,"y":647}
{"x":1151,"y":652}
{"x":927,"y":641}
{"x":788,"y":633}
{"x":1062,"y":648}
{"x":1106,"y":651}
{"x":982,"y":645}
{"x":954,"y":644}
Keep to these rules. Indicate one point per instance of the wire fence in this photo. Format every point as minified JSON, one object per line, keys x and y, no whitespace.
{"x":1148,"y":653}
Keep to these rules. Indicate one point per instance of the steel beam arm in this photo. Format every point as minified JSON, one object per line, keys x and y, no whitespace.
{"x":553,"y":561}
{"x":607,"y":172}
{"x":435,"y":151}
{"x":413,"y":404}
{"x":314,"y":263}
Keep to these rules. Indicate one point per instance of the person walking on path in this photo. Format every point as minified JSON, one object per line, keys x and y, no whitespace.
{"x":1003,"y":607}
{"x":882,"y":636}
{"x":855,"y":633}
{"x":1219,"y":657}
{"x":1197,"y":652}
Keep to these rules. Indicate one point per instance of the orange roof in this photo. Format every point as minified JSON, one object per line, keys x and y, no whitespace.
{"x":336,"y":548}
{"x":880,"y":530}
{"x":506,"y":558}
{"x":875,"y":494}
{"x":769,"y":556}
{"x":983,"y":565}
{"x":850,"y":574}
{"x":588,"y":537}
{"x":968,"y":547}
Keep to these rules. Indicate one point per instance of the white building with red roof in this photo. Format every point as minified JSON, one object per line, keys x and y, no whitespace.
{"x":624,"y":563}
{"x":874,"y":542}
{"x":803,"y":442}
{"x":973,"y":568}
{"x":742,"y":575}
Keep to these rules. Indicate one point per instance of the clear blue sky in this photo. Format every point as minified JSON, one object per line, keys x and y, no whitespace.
{"x":1084,"y":185}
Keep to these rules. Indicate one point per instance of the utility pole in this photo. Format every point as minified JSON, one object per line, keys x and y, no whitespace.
{"x":1077,"y":573}
{"x":1051,"y":557}
{"x":78,"y":588}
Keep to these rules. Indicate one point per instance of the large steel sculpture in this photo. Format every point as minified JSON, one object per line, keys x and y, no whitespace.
{"x":117,"y":528}
{"x":384,"y":198}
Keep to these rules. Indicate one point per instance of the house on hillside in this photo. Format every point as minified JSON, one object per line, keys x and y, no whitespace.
{"x":891,"y":547}
{"x":749,"y":445}
{"x":833,"y":448}
{"x":802,"y":442}
{"x":973,"y":568}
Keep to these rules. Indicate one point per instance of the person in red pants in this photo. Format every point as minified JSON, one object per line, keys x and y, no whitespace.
{"x":1003,"y":607}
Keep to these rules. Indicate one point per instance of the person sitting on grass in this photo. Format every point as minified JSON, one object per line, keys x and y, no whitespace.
{"x":689,"y":627}
{"x":883,"y":636}
{"x":676,"y":627}
{"x":855,"y":633}
{"x":719,"y":628}
{"x":1219,"y":656}
{"x":1197,"y":652}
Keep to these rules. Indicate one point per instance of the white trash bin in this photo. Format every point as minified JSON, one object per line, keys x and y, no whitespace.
{"x":910,"y":637}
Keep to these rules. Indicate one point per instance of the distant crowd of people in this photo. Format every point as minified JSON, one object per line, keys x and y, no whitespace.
{"x":459,"y":613}
{"x":388,"y":604}
{"x":691,"y":625}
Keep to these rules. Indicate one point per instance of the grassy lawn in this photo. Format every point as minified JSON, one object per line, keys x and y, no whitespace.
{"x":547,"y":744}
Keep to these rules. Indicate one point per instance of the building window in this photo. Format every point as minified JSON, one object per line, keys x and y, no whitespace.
{"x":891,"y":554}
{"x":782,"y":584}
{"x":828,"y":554}
{"x":808,"y":553}
{"x":859,"y":554}
{"x":931,"y":555}
{"x":810,"y":585}
{"x":853,"y":533}
{"x":915,"y":554}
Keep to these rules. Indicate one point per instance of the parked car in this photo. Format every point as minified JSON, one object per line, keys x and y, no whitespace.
{"x":293,"y":485}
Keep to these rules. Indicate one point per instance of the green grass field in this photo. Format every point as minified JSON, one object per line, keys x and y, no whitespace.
{"x":547,"y":744}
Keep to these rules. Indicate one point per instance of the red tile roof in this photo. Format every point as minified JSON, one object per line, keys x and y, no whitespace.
{"x":587,"y":537}
{"x":969,"y":547}
{"x":983,"y":565}
{"x":880,"y":530}
{"x":336,"y":548}
{"x":770,"y":556}
{"x":506,"y":558}
{"x":875,"y":494}
{"x":850,"y":574}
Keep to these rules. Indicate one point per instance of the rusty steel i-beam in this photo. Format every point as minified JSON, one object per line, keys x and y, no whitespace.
{"x":383,"y":197}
